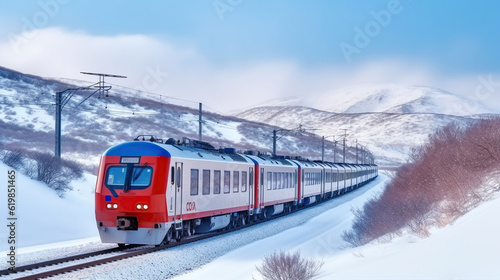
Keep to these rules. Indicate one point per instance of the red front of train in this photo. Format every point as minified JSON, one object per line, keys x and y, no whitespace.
{"x":130,"y":200}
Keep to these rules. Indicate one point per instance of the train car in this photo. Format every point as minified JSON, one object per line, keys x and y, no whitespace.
{"x":278,"y":190}
{"x":149,"y":193}
{"x":310,"y":184}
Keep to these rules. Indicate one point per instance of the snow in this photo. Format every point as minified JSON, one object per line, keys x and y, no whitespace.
{"x":43,"y":217}
{"x":50,"y":226}
{"x":227,"y":128}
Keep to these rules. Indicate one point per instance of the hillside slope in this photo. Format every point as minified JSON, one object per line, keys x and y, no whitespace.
{"x":27,"y":121}
{"x":390,"y":136}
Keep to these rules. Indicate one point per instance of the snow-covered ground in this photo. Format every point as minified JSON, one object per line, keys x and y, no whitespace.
{"x":43,"y":217}
{"x":469,"y":249}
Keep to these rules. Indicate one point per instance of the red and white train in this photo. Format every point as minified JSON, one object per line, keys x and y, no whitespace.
{"x":148,"y":192}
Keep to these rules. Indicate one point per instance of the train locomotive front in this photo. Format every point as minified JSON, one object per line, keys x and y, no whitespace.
{"x":130,"y":202}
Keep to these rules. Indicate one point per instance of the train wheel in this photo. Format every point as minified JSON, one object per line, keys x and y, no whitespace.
{"x":254,"y":218}
{"x":121,"y":245}
{"x":234,"y":220}
{"x":242,"y":220}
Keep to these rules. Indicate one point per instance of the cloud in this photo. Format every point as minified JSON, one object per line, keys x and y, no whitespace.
{"x":166,"y":67}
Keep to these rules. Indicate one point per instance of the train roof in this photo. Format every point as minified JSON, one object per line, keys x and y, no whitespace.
{"x":194,"y":149}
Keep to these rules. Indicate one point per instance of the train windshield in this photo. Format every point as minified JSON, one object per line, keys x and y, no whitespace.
{"x":128,"y":178}
{"x":141,"y":177}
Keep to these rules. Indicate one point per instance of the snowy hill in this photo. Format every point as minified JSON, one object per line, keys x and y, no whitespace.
{"x":388,"y":119}
{"x":390,"y":98}
{"x":386,"y":98}
{"x":389,"y":136}
{"x":39,"y":208}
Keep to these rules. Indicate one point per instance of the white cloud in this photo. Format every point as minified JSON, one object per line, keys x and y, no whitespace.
{"x":158,"y":65}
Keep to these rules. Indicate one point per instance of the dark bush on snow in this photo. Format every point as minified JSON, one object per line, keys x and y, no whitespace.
{"x":287,"y":266}
{"x":45,"y":167}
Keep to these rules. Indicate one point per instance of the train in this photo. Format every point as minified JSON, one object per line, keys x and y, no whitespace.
{"x":150,"y":191}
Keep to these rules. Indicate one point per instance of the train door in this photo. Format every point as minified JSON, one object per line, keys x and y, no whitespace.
{"x":323,"y":182}
{"x":178,"y":195}
{"x":251,"y":190}
{"x":302,"y":184}
{"x":262,"y":188}
{"x":296,"y":185}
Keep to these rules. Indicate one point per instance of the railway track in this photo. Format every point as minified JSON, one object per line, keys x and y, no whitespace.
{"x":138,"y":250}
{"x":59,"y":261}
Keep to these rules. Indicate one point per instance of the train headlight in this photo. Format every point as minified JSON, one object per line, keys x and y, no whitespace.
{"x":115,"y":206}
{"x":108,"y":206}
{"x":142,"y":206}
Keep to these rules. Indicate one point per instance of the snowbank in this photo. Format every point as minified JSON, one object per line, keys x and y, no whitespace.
{"x":43,"y":217}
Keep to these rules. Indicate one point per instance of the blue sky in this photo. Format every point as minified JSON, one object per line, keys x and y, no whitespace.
{"x":277,"y":42}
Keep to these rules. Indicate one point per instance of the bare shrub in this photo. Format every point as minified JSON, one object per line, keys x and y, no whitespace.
{"x":286,"y":266}
{"x":444,"y":179}
{"x":14,"y":158}
{"x":53,"y":171}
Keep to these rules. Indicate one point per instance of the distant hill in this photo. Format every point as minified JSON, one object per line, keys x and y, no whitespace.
{"x":390,"y":136}
{"x":384,"y":98}
{"x":389,"y":98}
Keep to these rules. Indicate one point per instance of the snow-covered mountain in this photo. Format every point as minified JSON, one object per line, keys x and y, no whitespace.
{"x":389,"y":136}
{"x":391,"y":98}
{"x":387,"y":98}
{"x":388,"y":119}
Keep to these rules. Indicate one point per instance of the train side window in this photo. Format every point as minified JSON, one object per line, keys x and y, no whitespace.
{"x":172,"y":175}
{"x":227,"y":181}
{"x":206,"y":182}
{"x":275,"y":180}
{"x":236,"y":181}
{"x":243,"y":181}
{"x":217,"y":180}
{"x":269,"y":180}
{"x":195,"y":175}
